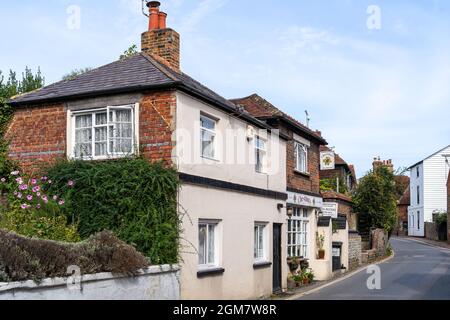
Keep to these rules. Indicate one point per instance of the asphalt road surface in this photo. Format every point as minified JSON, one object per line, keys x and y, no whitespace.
{"x":417,"y":272}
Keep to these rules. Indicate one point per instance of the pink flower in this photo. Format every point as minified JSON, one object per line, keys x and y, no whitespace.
{"x":36,"y":189}
{"x":38,"y":206}
{"x":19,"y":180}
{"x":33,"y":181}
{"x":23,"y":187}
{"x":15,"y":193}
{"x":71,"y":183}
{"x":38,"y":194}
{"x":61,"y":202}
{"x":3,"y":180}
{"x":45,"y":199}
{"x":30,"y":197}
{"x":55,"y":198}
{"x":44,"y":178}
{"x":24,"y":206}
{"x":19,"y":195}
{"x":15,"y":173}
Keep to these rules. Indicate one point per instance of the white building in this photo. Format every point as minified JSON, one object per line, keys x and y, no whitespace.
{"x":428,"y":190}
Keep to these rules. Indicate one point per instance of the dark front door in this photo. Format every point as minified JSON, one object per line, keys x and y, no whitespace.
{"x":337,"y":253}
{"x":277,"y":286}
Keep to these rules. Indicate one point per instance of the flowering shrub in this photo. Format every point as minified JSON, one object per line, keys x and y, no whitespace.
{"x":32,"y":212}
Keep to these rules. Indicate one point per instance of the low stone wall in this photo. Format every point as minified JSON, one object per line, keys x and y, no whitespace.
{"x":153,"y":283}
{"x":431,"y":232}
{"x":354,"y":250}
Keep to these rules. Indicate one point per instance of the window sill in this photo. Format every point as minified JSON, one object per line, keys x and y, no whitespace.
{"x":262,"y":265}
{"x":212,"y":272}
{"x":209,"y":159}
{"x":303,"y":174}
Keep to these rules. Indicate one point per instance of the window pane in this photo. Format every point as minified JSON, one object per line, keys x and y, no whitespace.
{"x":101,"y":149}
{"x":84,"y":121}
{"x":101,"y":119}
{"x":207,"y":123}
{"x":208,"y":144}
{"x":83,"y":135}
{"x":255,"y":242}
{"x":260,"y":242}
{"x":211,"y":245}
{"x":101,"y":134}
{"x":123,"y":116}
{"x":83,"y":150}
{"x":202,"y":244}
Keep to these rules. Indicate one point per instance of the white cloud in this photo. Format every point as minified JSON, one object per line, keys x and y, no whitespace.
{"x":203,"y":9}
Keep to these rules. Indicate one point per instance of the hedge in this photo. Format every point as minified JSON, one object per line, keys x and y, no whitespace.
{"x":131,"y":197}
{"x":24,"y":259}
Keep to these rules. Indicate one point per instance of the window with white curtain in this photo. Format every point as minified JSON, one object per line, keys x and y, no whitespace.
{"x":104,"y":133}
{"x":301,"y":157}
{"x":207,"y":245}
{"x":298,"y":233}
{"x":260,"y":154}
{"x":208,"y":137}
{"x":260,"y":253}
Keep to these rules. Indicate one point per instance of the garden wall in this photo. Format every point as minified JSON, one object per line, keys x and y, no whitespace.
{"x":431,"y":232}
{"x":153,"y":283}
{"x":354,"y":250}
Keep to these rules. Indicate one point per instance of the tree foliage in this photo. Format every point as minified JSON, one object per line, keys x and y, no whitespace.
{"x":375,"y":199}
{"x":75,"y":73}
{"x":131,"y":51}
{"x":10,"y":87}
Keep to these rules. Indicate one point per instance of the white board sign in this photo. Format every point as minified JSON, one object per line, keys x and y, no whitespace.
{"x":330,"y":209}
{"x":327,"y":160}
{"x":304,"y":200}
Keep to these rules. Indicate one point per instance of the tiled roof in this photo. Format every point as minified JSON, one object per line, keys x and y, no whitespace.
{"x":336,"y":196}
{"x":262,"y":109}
{"x":135,"y":73}
{"x":405,"y":200}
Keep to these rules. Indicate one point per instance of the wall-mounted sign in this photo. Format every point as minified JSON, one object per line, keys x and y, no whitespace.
{"x":330,"y":209}
{"x":304,"y":200}
{"x":327,"y":160}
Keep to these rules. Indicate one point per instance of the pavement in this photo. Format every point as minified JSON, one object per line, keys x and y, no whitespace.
{"x":418,"y":271}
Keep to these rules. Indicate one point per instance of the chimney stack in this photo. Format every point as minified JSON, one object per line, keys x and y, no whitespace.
{"x":160,"y":42}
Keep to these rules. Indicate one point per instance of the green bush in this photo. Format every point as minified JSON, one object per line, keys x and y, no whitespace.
{"x":131,"y":197}
{"x":31,"y":223}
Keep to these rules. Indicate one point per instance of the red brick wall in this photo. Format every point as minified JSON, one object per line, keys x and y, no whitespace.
{"x":295,"y":180}
{"x":38,"y":133}
{"x":38,"y":136}
{"x":157,"y":122}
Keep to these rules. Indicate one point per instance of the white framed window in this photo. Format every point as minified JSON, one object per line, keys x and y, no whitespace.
{"x":301,"y":157}
{"x":260,"y":154}
{"x":298,"y":233}
{"x":208,"y":137}
{"x":418,"y":195}
{"x":208,"y":245}
{"x":103,"y":133}
{"x":260,"y":242}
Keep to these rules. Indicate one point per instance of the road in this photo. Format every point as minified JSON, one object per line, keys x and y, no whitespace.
{"x":417,"y":272}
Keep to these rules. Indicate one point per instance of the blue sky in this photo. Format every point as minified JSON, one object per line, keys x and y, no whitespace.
{"x":371,"y":92}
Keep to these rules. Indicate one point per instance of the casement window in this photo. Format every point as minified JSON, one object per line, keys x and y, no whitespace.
{"x":207,"y":244}
{"x":260,"y":242}
{"x":298,"y":233}
{"x":260,"y":154}
{"x":104,"y":133}
{"x":301,"y":157}
{"x":418,"y":220}
{"x":208,"y":136}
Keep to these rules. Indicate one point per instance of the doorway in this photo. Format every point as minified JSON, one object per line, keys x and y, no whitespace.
{"x":277,"y":280}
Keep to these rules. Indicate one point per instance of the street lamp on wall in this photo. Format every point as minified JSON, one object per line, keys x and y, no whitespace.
{"x":290,"y":211}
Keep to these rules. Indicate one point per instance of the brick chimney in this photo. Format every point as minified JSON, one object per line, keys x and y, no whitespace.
{"x":377,"y":163}
{"x":161,"y":42}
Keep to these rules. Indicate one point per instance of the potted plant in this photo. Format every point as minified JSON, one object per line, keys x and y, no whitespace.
{"x":294,"y":263}
{"x":320,"y":244}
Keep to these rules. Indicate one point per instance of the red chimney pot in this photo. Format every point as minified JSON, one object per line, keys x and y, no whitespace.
{"x":154,"y":15}
{"x":162,"y":20}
